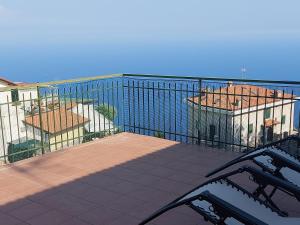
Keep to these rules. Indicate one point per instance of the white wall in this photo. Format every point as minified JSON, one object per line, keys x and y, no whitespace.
{"x":224,"y":121}
{"x":11,"y":117}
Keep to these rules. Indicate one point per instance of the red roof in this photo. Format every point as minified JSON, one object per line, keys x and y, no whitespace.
{"x":236,"y":97}
{"x":8,"y":82}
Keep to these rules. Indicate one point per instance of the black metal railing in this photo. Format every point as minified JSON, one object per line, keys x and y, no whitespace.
{"x":227,"y":113}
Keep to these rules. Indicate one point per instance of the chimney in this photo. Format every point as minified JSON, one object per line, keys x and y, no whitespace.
{"x":277,"y":94}
{"x":237,"y":103}
{"x":229,"y":83}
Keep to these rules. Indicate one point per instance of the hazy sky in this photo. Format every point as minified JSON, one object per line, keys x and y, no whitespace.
{"x":67,"y":21}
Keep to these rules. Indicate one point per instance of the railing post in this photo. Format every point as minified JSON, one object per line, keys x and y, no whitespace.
{"x":41,"y":119}
{"x":199,"y":111}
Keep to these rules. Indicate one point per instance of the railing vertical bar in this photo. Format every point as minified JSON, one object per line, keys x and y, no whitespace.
{"x":248,"y":117}
{"x":164,"y":108}
{"x":256,"y":116}
{"x":159,"y":109}
{"x":153,"y":106}
{"x":144,"y":110}
{"x":187,"y":112}
{"x":9,"y":119}
{"x":54,"y":122}
{"x":200,"y":111}
{"x":123,"y":105}
{"x":220,"y":114}
{"x":226,"y":116}
{"x":108,"y":107}
{"x":41,"y":119}
{"x":233,"y":117}
{"x":47,"y":120}
{"x":241,"y":117}
{"x":77,"y":112}
{"x":138,"y":107}
{"x":2,"y":133}
{"x":118,"y":105}
{"x":206,"y":115}
{"x":175,"y":110}
{"x":181,"y":111}
{"x":170,"y":111}
{"x":213,"y":114}
{"x":88,"y":109}
{"x":133,"y":106}
{"x":282,"y":103}
{"x":103,"y":105}
{"x":273,"y":114}
{"x":97,"y":108}
{"x":129,"y":101}
{"x":60,"y":121}
{"x":264,"y":131}
{"x":193,"y":113}
{"x":25,"y":125}
{"x":148,"y":107}
{"x":66,"y":116}
{"x":82,"y":108}
{"x":72,"y":117}
{"x":17,"y":119}
{"x":94,"y":110}
{"x":291,"y":112}
{"x":113,"y":105}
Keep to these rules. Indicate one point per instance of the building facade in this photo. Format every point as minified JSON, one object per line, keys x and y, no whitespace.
{"x":241,"y":115}
{"x":15,"y":100}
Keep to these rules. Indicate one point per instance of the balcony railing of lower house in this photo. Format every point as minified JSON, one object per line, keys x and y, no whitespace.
{"x":231,"y":114}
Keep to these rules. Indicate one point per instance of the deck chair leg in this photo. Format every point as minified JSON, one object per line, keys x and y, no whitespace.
{"x":272,"y":192}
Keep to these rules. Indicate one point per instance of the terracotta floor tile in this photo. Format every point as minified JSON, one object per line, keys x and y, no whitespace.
{"x":28,"y":211}
{"x":120,"y":179}
{"x":75,"y":221}
{"x":100,"y":216}
{"x":50,"y":218}
{"x":8,"y":220}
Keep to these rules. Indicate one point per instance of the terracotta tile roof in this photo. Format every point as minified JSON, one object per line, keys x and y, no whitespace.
{"x":8,"y":82}
{"x":234,"y":101}
{"x":271,"y":122}
{"x":56,"y":121}
{"x":12,"y":83}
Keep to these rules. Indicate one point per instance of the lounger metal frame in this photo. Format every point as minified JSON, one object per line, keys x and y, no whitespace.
{"x":224,"y":209}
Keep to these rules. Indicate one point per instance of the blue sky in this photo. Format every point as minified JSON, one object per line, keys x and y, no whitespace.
{"x":61,"y":39}
{"x":75,"y":21}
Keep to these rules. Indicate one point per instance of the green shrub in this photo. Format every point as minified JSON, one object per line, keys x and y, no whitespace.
{"x":159,"y":134}
{"x":24,"y":150}
{"x":107,"y":111}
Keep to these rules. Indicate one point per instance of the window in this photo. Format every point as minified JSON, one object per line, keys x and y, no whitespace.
{"x":267,"y":113}
{"x":212,"y":131}
{"x":250,"y":128}
{"x":283,"y":119}
{"x":14,"y":95}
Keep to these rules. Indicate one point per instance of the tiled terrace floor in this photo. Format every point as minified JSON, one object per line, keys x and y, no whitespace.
{"x":116,"y":180}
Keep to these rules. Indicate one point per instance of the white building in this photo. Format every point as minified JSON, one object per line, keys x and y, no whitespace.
{"x":98,"y":123}
{"x":15,"y":99}
{"x":241,"y":115}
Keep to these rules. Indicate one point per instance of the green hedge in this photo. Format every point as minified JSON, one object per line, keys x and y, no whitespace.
{"x":24,"y":150}
{"x":107,"y":111}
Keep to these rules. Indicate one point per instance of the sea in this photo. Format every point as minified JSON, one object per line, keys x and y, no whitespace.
{"x":274,"y":59}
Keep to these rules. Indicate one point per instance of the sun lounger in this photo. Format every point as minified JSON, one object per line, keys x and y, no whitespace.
{"x":273,"y":159}
{"x":221,"y":201}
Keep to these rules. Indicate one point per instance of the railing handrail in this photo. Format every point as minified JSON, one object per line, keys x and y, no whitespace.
{"x":99,"y":77}
{"x":49,"y":83}
{"x":213,"y":78}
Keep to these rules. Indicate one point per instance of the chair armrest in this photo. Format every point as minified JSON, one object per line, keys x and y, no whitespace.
{"x":268,"y":179}
{"x":225,"y":209}
{"x":281,"y":161}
